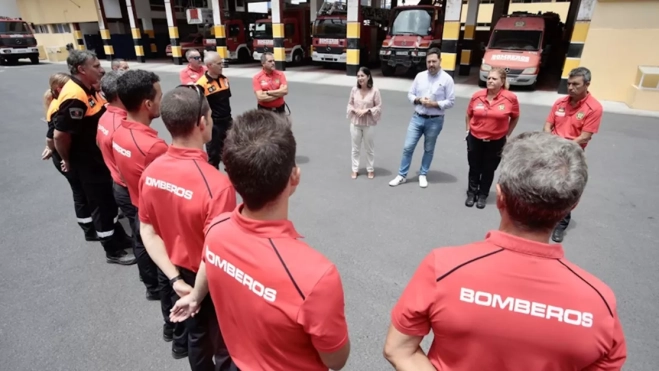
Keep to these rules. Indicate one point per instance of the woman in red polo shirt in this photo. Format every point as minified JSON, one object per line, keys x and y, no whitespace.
{"x":492,"y":115}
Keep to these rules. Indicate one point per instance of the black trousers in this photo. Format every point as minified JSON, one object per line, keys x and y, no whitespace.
{"x":83,"y":213}
{"x":215,"y":146}
{"x":484,"y":158}
{"x":205,"y":339}
{"x":280,"y":109}
{"x":100,"y":200}
{"x":167,"y":299}
{"x":565,"y":222}
{"x":146,"y":266}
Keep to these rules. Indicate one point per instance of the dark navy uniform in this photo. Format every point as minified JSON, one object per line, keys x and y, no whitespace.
{"x":79,"y":111}
{"x":83,"y":214}
{"x":217,"y":93}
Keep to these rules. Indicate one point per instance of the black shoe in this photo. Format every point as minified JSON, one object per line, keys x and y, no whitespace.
{"x":167,"y":333}
{"x":91,"y":236}
{"x":179,"y":353}
{"x":558,"y":235}
{"x":152,"y":295}
{"x":481,"y":202}
{"x":120,"y":257}
{"x":471,"y":198}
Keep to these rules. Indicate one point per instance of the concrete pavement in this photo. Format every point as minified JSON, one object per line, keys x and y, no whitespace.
{"x":65,"y":309}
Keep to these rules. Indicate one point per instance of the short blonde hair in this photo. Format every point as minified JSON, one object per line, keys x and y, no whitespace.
{"x":56,"y":81}
{"x":503,"y":75}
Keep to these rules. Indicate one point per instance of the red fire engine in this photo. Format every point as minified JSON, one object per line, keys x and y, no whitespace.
{"x":238,"y":37}
{"x":17,"y":41}
{"x":329,"y":33}
{"x":413,"y":31}
{"x":297,"y":35}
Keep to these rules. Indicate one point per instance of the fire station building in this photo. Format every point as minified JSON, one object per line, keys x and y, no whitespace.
{"x":615,"y":39}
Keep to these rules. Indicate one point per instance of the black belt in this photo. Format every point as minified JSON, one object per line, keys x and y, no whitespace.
{"x":426,"y":116}
{"x":280,"y":109}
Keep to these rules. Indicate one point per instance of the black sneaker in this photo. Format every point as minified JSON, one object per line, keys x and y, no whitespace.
{"x":471,"y":198}
{"x":91,"y":236}
{"x":558,"y":235}
{"x":167,"y":333}
{"x":179,"y":353}
{"x":481,"y":202}
{"x":120,"y":257}
{"x":152,"y":295}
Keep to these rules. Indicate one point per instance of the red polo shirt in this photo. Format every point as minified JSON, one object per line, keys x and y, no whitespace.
{"x":569,"y":122}
{"x":107,"y":124}
{"x":278,"y":301}
{"x":507,"y":303}
{"x":135,"y":146}
{"x":265,"y":82}
{"x":190,"y":76}
{"x":491,"y":120}
{"x":180,"y":193}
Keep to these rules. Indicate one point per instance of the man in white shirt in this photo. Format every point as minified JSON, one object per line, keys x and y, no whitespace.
{"x":431,"y":93}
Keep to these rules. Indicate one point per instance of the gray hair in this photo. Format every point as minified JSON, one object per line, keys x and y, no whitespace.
{"x":581,"y":71}
{"x":264,"y":55}
{"x":109,"y":84}
{"x":211,"y":56}
{"x":542,"y":179}
{"x":116,"y":63}
{"x":78,"y":58}
{"x":179,"y":109}
{"x":190,"y":51}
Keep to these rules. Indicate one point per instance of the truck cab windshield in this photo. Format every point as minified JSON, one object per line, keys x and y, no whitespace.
{"x":331,"y":28}
{"x":14,"y":27}
{"x":516,"y":40}
{"x":263,"y":30}
{"x":412,"y":22}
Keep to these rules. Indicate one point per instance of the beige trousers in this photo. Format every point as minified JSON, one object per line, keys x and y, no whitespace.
{"x":363,"y":134}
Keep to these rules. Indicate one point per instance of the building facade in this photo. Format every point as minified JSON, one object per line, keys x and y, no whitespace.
{"x":616,"y":39}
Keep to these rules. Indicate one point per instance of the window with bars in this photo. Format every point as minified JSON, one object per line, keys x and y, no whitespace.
{"x":40,"y":28}
{"x":61,"y":28}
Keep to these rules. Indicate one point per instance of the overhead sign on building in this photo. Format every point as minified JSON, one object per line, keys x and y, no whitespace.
{"x":199,"y":16}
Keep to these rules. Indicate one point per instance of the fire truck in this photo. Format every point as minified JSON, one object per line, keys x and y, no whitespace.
{"x":523,"y":43}
{"x":297,"y":35}
{"x":17,"y":41}
{"x":412,"y":32}
{"x":329,"y":40}
{"x":238,"y":36}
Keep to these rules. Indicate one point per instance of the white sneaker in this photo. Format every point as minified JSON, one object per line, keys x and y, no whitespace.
{"x":423,"y":182}
{"x":397,"y":181}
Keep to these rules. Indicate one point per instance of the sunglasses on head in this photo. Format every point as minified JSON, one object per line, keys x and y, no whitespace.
{"x":200,"y":93}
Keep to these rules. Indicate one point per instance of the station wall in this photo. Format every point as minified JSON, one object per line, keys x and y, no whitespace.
{"x":623,"y":37}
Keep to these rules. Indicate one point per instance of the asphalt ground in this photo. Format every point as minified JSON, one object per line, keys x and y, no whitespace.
{"x":64,"y":308}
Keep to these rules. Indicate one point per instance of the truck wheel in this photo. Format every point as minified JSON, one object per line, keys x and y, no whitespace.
{"x":34,"y":60}
{"x":297,"y":57}
{"x":481,"y":83}
{"x":387,"y":70}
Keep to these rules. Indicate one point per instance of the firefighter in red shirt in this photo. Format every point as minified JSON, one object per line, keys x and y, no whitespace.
{"x":195,"y":68}
{"x":270,"y":86}
{"x":575,"y":117}
{"x":279,"y":302}
{"x":513,"y":302}
{"x":180,"y":192}
{"x":136,"y":145}
{"x":492,"y":115}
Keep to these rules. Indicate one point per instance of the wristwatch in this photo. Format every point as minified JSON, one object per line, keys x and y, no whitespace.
{"x":171,"y":282}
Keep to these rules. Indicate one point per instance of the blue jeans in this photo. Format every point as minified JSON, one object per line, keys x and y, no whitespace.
{"x":430,"y":129}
